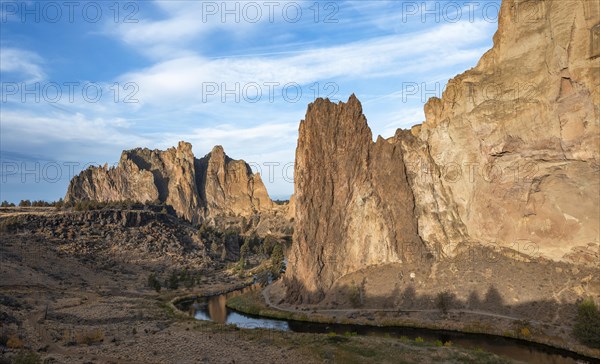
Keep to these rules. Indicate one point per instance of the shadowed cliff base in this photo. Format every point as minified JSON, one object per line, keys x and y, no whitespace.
{"x":473,"y":276}
{"x":481,"y":289}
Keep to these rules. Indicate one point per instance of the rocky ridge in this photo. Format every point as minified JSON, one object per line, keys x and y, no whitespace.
{"x":140,"y":237}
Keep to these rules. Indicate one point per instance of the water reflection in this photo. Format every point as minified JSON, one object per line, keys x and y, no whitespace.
{"x":215,"y":309}
{"x":248,"y":322}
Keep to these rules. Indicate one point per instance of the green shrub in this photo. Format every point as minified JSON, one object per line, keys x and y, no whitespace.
{"x":587,"y":324}
{"x":521,"y":328}
{"x":26,"y":357}
{"x":277,"y":259}
{"x":188,"y":279}
{"x":254,"y":241}
{"x":10,"y":224}
{"x":41,"y":203}
{"x":268,"y":244}
{"x":245,"y":249}
{"x":14,"y":342}
{"x":153,"y":282}
{"x":354,"y":295}
{"x":173,"y":281}
{"x":89,"y":337}
{"x":241,"y":264}
{"x":525,"y":332}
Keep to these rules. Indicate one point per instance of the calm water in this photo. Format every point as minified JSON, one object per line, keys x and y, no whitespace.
{"x":214,"y":309}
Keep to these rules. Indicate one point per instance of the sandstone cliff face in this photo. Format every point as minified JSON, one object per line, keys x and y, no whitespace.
{"x":524,"y":128}
{"x":354,"y":206}
{"x":508,"y":156}
{"x":229,"y":185}
{"x":196,"y":188}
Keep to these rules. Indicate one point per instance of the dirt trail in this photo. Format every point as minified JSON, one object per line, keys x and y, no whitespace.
{"x":266,"y":296}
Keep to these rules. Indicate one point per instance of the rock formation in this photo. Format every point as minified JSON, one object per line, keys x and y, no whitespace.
{"x":196,"y":188}
{"x":229,"y":185}
{"x":508,"y":156}
{"x":353,"y":204}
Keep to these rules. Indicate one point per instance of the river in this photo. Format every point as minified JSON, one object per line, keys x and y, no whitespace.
{"x":214,"y":309}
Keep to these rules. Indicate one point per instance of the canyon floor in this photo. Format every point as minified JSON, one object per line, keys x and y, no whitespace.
{"x":65,"y":303}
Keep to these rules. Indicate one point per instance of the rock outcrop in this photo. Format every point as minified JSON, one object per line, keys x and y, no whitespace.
{"x":354,"y":205}
{"x":229,"y":185}
{"x":508,"y":156}
{"x":139,"y":236}
{"x":197,"y":189}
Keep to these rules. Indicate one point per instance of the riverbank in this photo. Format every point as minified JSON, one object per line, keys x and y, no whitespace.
{"x":259,"y":303}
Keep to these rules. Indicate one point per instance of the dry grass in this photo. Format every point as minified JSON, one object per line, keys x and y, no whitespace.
{"x":14,"y":342}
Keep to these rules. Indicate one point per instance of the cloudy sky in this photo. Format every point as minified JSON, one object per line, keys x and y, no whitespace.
{"x":81,"y":81}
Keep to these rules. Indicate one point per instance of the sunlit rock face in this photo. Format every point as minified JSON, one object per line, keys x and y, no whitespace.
{"x":196,"y":188}
{"x":353,"y":203}
{"x":508,"y":156}
{"x":228,"y":185}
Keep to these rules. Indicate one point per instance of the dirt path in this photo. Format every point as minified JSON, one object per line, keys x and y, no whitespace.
{"x":266,"y":296}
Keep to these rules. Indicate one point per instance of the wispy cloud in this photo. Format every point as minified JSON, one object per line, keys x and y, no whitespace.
{"x":185,"y":78}
{"x":66,"y":136}
{"x":23,"y":65}
{"x":169,"y":32}
{"x":235,"y":138}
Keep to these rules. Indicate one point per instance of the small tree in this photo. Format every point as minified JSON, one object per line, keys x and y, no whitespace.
{"x":188,"y":279}
{"x":214,"y":248}
{"x":198,"y":278}
{"x":224,"y":253}
{"x":25,"y":203}
{"x":173,"y":282}
{"x":254,"y":243}
{"x":268,"y":244}
{"x":240,"y":266}
{"x":587,"y":324}
{"x":277,"y":259}
{"x":26,"y":357}
{"x":153,"y":282}
{"x":245,"y":250}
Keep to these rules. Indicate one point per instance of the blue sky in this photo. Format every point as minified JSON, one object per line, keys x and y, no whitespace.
{"x":81,"y":81}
